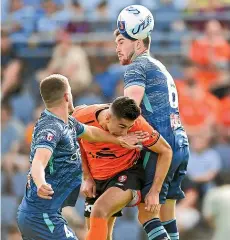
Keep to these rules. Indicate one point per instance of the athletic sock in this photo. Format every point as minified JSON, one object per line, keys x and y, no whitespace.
{"x":155,"y":230}
{"x":98,"y":229}
{"x":171,"y":228}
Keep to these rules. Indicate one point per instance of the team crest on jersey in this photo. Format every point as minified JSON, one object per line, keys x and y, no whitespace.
{"x":49,"y":137}
{"x":122,"y":178}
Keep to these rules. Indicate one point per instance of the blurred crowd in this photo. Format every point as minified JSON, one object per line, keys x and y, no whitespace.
{"x":75,"y":38}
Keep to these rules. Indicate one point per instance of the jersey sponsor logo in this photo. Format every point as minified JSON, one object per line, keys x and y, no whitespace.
{"x":88,"y":207}
{"x":175,"y":121}
{"x":122,"y":178}
{"x":49,"y":137}
{"x":119,"y":184}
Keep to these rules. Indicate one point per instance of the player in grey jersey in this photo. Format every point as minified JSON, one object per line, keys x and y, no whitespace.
{"x":55,"y":171}
{"x":148,"y":82}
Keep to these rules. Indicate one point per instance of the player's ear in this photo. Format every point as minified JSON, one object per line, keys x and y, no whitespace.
{"x":138,"y":44}
{"x":108,"y":116}
{"x":66,"y":97}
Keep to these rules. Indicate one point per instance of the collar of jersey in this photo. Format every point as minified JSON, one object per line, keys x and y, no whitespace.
{"x":141,"y":55}
{"x":53,"y":115}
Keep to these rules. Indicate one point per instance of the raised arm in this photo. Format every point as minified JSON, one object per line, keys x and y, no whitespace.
{"x":94,"y":134}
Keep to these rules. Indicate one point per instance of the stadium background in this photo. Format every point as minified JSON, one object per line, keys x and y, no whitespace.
{"x":75,"y":38}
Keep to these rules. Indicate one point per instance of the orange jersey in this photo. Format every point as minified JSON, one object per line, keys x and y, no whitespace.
{"x":106,"y":159}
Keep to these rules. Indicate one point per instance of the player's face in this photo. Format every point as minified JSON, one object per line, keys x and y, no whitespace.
{"x":118,"y":126}
{"x":125,"y":49}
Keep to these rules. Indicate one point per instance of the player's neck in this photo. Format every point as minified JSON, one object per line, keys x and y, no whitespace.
{"x":101,"y":118}
{"x":60,"y":113}
{"x":139,"y":53}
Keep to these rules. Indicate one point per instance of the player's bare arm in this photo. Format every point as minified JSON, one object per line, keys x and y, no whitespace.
{"x":94,"y":134}
{"x":88,"y":186}
{"x":40,"y":161}
{"x":163,"y":163}
{"x":135,"y":92}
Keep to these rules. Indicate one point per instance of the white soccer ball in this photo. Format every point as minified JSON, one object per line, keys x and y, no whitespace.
{"x":135,"y":22}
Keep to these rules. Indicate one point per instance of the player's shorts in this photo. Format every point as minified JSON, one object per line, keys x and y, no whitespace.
{"x":171,"y":188}
{"x":43,"y":226}
{"x":132,"y":178}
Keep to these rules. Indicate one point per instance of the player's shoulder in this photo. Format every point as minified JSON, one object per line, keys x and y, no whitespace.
{"x":48,"y":122}
{"x":86,"y":113}
{"x":137,"y":65}
{"x":140,"y":124}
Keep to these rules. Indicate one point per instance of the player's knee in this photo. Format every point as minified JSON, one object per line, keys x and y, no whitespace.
{"x":144,"y":216}
{"x":99,"y":211}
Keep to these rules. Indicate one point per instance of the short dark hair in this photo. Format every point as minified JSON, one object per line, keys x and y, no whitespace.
{"x":125,"y":107}
{"x":146,"y":41}
{"x":53,"y":88}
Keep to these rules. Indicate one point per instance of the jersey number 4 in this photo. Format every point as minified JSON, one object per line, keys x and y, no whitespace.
{"x":68,"y":233}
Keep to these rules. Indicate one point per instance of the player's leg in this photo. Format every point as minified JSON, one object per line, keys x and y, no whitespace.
{"x":168,"y":210}
{"x":111,"y":222}
{"x":44,"y":226}
{"x":151,"y":221}
{"x":168,"y":218}
{"x":110,"y":202}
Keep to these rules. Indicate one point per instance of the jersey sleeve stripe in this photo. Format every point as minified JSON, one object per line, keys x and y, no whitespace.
{"x":89,"y":122}
{"x":152,"y":143}
{"x":82,"y":130}
{"x":135,"y":83}
{"x":44,"y":146}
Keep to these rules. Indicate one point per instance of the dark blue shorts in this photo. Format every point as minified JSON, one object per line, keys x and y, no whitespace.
{"x":44,"y":226}
{"x":171,"y":188}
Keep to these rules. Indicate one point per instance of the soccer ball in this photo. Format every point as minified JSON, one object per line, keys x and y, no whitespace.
{"x":135,"y":22}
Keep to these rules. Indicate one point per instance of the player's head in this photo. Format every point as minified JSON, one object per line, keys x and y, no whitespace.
{"x":55,"y":91}
{"x":126,"y":49}
{"x":121,"y":116}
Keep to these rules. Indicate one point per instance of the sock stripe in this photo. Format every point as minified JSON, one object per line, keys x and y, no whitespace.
{"x":156,"y":234}
{"x":147,"y":223}
{"x":174,"y":238}
{"x":156,"y":230}
{"x":174,"y":234}
{"x":167,"y":222}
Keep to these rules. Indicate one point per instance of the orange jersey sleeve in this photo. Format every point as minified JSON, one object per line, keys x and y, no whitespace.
{"x":142,"y":125}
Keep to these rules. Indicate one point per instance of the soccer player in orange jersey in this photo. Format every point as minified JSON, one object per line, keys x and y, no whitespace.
{"x":116,"y":171}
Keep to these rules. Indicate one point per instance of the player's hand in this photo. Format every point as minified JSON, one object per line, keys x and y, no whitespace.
{"x":45,"y":191}
{"x":152,"y":202}
{"x":141,"y":136}
{"x":89,"y":188}
{"x":133,"y":140}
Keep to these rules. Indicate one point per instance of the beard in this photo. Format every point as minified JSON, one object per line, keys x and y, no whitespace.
{"x":128,"y":60}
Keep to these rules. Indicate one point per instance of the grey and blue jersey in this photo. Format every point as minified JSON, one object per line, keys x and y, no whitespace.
{"x":63,"y":171}
{"x":160,"y":108}
{"x":160,"y":102}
